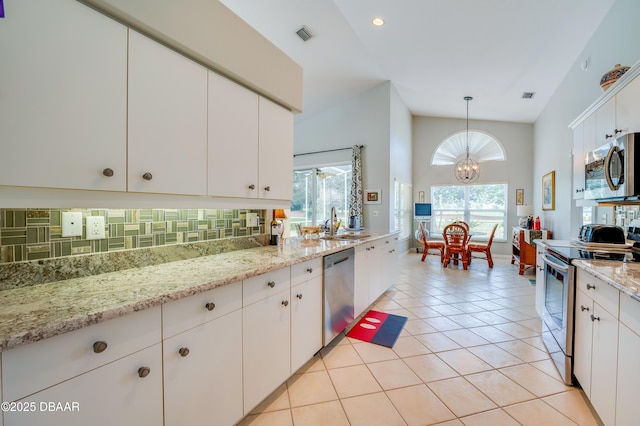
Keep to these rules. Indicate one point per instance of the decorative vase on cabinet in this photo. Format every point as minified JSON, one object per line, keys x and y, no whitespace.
{"x":612,"y":76}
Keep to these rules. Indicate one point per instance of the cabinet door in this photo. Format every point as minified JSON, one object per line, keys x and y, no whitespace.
{"x":167,"y":120}
{"x":606,"y":122}
{"x":582,"y":341}
{"x":540,"y":280}
{"x":376,"y":278}
{"x":389,"y":266}
{"x":306,"y":321}
{"x":114,"y":394}
{"x":604,"y":364}
{"x":203,"y":374}
{"x":628,"y":377}
{"x":627,"y":116}
{"x":578,"y":163}
{"x":275,"y":151}
{"x":62,"y":96}
{"x":361,"y":279}
{"x":233,"y":139}
{"x":266,"y":345}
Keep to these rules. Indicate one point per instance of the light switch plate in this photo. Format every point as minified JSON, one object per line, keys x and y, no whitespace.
{"x":71,"y":224}
{"x":95,"y":227}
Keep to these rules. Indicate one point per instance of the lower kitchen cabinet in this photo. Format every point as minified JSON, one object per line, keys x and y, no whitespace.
{"x":540,"y":279}
{"x":582,"y":341}
{"x":604,"y":365}
{"x":266,"y":346}
{"x":306,"y":314}
{"x":361,"y":274}
{"x":628,"y":377}
{"x":125,"y":392}
{"x":203,"y":373}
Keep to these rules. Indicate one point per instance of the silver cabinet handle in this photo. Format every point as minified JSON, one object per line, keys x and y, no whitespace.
{"x":299,"y":296}
{"x":310,"y":270}
{"x":107,"y":172}
{"x":271,"y":284}
{"x":267,"y":188}
{"x":210,"y":306}
{"x":99,"y":346}
{"x":285,"y":303}
{"x":147,"y":176}
{"x":589,"y":286}
{"x":183,"y":352}
{"x":252,"y":186}
{"x":593,"y":318}
{"x":144,"y":372}
{"x":582,"y":308}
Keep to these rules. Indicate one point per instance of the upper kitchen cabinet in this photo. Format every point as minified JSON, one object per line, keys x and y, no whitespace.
{"x":167,"y":135}
{"x":627,"y":116}
{"x":606,"y":129}
{"x":233,"y":139}
{"x":63,"y":97}
{"x":250,"y":143}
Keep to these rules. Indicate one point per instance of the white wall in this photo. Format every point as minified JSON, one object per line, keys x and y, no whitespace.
{"x":517,"y":170}
{"x":376,"y":119}
{"x":616,"y":41}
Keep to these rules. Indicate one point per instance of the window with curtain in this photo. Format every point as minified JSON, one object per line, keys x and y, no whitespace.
{"x":316,"y":190}
{"x":481,"y":206}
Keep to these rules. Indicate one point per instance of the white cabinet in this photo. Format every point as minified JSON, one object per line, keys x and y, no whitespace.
{"x":597,"y":305}
{"x":275,"y":151}
{"x":203,"y":373}
{"x":167,"y":107}
{"x":389,"y":264}
{"x":606,"y":129}
{"x":578,"y":156}
{"x":361,"y":272}
{"x":266,"y":336}
{"x":63,"y":96}
{"x":306,"y":312}
{"x":627,"y":117}
{"x":233,"y":139}
{"x":125,"y":392}
{"x":628,"y":366}
{"x":375,"y":270}
{"x":540,"y":279}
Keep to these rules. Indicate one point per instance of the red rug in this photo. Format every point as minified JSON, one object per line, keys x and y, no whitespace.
{"x":379,"y":328}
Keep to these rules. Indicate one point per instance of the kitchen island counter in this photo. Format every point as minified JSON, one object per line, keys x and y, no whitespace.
{"x":33,"y":313}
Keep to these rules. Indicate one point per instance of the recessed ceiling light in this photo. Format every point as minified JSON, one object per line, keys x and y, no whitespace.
{"x":378,"y":22}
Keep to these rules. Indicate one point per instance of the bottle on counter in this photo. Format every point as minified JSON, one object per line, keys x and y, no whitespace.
{"x":273,"y":230}
{"x":536,"y":223}
{"x":530,"y":222}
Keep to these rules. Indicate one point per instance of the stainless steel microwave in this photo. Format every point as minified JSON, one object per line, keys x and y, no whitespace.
{"x":610,"y":171}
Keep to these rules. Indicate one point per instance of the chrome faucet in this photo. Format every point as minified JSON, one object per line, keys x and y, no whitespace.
{"x":332,"y":223}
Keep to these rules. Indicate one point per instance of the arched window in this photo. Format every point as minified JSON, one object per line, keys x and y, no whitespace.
{"x":482,"y":147}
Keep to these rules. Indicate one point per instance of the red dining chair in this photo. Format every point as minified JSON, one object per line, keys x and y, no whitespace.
{"x":455,"y":237}
{"x":430,"y":245}
{"x":483,"y":248}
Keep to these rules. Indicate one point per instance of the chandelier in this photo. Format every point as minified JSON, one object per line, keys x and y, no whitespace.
{"x":468,"y":169}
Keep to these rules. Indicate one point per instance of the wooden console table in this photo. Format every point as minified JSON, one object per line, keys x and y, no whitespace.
{"x":523,"y":249}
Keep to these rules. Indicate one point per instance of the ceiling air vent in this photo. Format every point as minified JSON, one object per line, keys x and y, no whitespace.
{"x":304,"y":34}
{"x":528,"y":95}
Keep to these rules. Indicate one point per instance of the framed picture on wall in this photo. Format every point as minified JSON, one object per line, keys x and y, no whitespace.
{"x":372,"y":196}
{"x":519,"y":197}
{"x":549,"y":191}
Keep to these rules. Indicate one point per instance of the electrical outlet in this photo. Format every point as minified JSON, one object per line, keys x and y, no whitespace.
{"x":252,"y":219}
{"x":95,"y":227}
{"x":71,"y":224}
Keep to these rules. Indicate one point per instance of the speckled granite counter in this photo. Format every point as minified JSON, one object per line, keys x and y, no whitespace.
{"x":622,"y":275}
{"x":33,"y":313}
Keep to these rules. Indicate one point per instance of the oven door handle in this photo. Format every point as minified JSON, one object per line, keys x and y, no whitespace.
{"x":558,"y":266}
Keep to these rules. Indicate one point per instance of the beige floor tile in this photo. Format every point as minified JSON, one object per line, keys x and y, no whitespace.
{"x":419,"y":326}
{"x":370,"y":352}
{"x":273,"y":418}
{"x":534,"y":380}
{"x":547,"y":366}
{"x":489,"y":317}
{"x":536,"y":342}
{"x":572,"y":404}
{"x":536,"y":413}
{"x":502,"y":390}
{"x":383,"y":305}
{"x":492,"y":334}
{"x":424,"y":312}
{"x":467,"y":307}
{"x":429,"y":367}
{"x":393,"y":374}
{"x":467,"y":321}
{"x":495,"y":356}
{"x":442,"y":323}
{"x":326,"y":413}
{"x":314,"y":364}
{"x":409,"y":303}
{"x":490,"y":418}
{"x":463,"y":361}
{"x":450,"y":423}
{"x":534,"y":324}
{"x":341,"y":356}
{"x":418,"y":406}
{"x":310,"y":388}
{"x":373,"y":409}
{"x":461,"y":397}
{"x":437,"y":342}
{"x":278,"y":400}
{"x":523,"y":351}
{"x":353,"y":381}
{"x":465,"y":338}
{"x":517,"y":330}
{"x":409,"y":346}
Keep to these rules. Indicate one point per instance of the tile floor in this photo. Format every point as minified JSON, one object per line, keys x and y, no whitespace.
{"x":470,"y":354}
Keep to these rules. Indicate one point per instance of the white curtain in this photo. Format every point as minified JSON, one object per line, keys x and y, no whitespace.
{"x":355,"y":200}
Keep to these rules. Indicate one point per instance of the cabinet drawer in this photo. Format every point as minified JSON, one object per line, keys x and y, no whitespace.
{"x":27,"y":369}
{"x":630,"y":313}
{"x":262,"y":286}
{"x":301,"y":272}
{"x":184,"y":314}
{"x":602,"y":293}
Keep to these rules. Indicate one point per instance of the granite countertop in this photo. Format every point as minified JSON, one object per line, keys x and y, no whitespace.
{"x":33,"y":313}
{"x":624,"y":276}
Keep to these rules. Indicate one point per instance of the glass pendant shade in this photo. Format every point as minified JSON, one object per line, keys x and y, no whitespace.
{"x":467,"y":170}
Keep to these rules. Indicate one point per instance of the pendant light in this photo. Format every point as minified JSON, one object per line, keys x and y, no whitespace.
{"x":468,"y":169}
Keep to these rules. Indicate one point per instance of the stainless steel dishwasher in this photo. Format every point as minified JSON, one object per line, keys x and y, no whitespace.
{"x":338,"y":293}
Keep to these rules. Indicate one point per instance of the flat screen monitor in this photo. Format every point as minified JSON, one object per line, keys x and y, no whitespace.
{"x":422,"y":210}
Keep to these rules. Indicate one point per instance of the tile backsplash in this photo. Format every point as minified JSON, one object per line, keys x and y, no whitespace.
{"x":31,"y":234}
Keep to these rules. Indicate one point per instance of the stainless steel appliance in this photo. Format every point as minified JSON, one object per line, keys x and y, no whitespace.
{"x":338,"y":293}
{"x":610,"y":171}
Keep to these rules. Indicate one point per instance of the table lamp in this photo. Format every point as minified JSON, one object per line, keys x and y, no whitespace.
{"x":523,"y":212}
